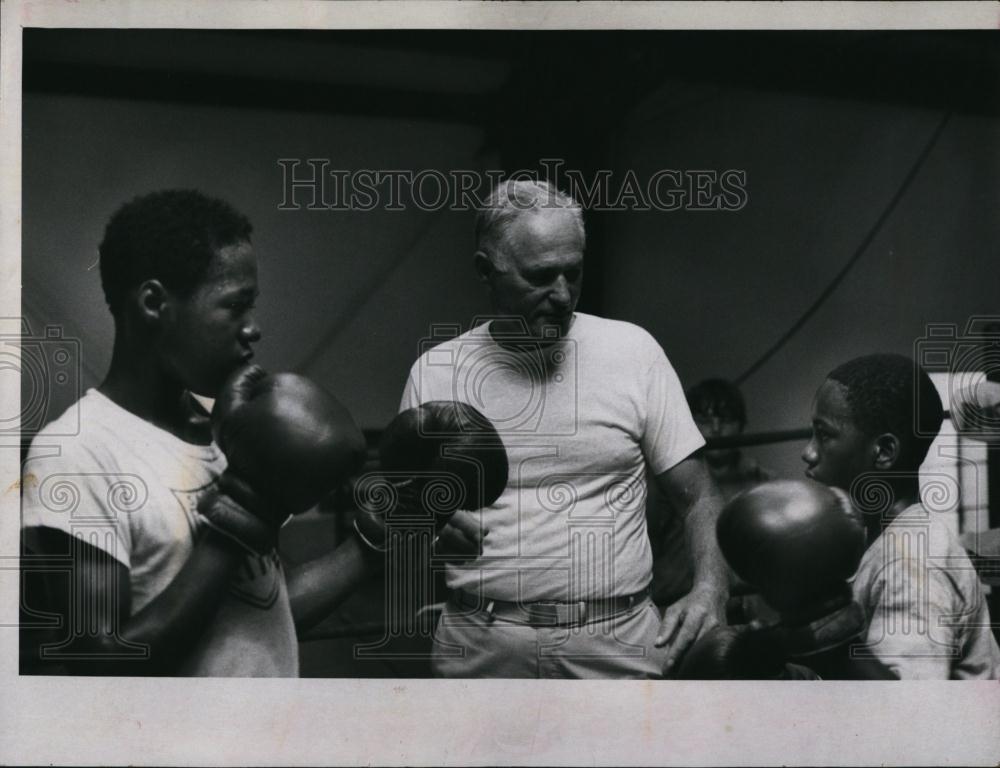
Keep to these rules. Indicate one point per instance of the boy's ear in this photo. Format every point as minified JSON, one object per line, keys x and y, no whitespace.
{"x":887,"y":449}
{"x":151,"y":298}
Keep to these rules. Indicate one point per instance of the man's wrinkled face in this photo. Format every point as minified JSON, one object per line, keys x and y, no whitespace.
{"x":540,"y":272}
{"x":838,"y":451}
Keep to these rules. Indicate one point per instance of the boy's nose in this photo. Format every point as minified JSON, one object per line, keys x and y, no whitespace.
{"x":809,"y":454}
{"x":250,"y":332}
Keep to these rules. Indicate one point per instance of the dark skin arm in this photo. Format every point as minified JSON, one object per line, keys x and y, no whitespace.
{"x":690,"y":489}
{"x":97,"y":601}
{"x":317,"y":587}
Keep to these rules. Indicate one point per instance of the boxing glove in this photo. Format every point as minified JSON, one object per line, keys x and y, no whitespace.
{"x":828,"y":644}
{"x":434,"y":459}
{"x":797,"y":542}
{"x":287,"y":444}
{"x":733,"y":653}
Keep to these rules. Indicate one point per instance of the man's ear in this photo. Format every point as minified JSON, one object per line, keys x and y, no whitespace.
{"x":151,"y":299}
{"x":887,"y":449}
{"x":484,"y":267}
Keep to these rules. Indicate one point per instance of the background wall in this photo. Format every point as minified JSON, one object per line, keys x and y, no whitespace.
{"x":347,"y":296}
{"x":719,"y":288}
{"x":344,"y":295}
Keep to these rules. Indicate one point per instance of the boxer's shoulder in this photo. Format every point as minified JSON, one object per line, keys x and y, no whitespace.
{"x":81,"y":430}
{"x":929,"y":525}
{"x":917,"y":542}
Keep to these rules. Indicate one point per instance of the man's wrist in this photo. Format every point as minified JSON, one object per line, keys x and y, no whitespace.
{"x":713,"y":584}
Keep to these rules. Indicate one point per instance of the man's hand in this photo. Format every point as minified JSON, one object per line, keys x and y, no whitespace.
{"x":461,"y":538}
{"x":688,"y":619}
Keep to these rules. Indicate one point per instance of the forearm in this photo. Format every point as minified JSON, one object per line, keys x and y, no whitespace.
{"x":710,"y":569}
{"x":170,"y":624}
{"x":690,"y":488}
{"x":316,"y":587}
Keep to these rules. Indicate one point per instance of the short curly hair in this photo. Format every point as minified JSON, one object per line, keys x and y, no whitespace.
{"x":891,"y":393}
{"x":720,"y":397}
{"x":172,"y":236}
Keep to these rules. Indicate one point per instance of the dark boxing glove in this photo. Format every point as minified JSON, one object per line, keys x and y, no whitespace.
{"x":797,"y":542}
{"x":733,"y":653}
{"x":435,"y":459}
{"x":287,"y":442}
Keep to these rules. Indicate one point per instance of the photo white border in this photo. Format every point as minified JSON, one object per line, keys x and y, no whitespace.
{"x":92,"y":721}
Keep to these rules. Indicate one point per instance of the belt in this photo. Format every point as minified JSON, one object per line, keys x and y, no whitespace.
{"x":549,"y":613}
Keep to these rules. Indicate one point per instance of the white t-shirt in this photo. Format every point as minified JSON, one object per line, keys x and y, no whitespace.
{"x":131,"y":489}
{"x":925,"y":606}
{"x":580,"y":421}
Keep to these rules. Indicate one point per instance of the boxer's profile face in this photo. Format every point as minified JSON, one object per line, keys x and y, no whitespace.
{"x":838,"y":451}
{"x":208,"y":334}
{"x":539,"y":275}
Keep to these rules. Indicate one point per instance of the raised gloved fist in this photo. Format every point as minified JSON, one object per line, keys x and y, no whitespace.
{"x":287,"y":443}
{"x":435,"y":459}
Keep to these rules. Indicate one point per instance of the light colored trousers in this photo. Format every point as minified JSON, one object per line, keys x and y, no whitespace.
{"x":468,"y":644}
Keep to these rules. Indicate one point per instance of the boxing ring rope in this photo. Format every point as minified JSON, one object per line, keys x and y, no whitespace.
{"x":747,"y":440}
{"x":758,"y":438}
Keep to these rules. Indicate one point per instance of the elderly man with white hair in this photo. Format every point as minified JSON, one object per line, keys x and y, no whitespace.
{"x":586,"y":406}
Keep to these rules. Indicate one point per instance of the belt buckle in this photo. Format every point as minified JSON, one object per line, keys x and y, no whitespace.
{"x":554,"y":614}
{"x":543,"y":614}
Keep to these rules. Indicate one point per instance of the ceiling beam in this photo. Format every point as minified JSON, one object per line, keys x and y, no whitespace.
{"x":253,"y":92}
